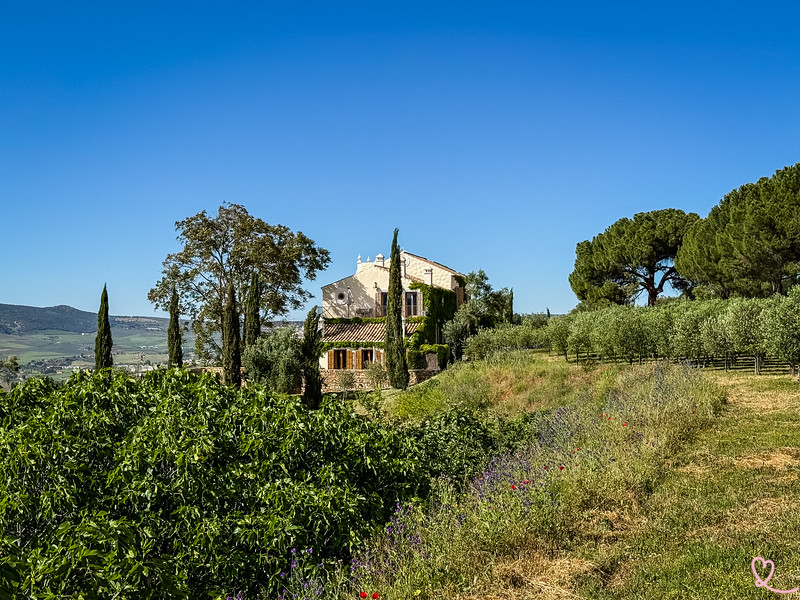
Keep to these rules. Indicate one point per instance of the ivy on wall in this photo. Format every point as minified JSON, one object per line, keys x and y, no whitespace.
{"x":440,"y":306}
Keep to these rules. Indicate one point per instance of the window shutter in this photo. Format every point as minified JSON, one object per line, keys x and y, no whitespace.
{"x":330,"y":359}
{"x":359,"y":359}
{"x":349,"y":359}
{"x":378,"y":312}
{"x":378,"y":357}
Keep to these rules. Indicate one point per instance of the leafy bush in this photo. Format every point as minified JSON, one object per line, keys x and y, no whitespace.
{"x":276,"y":361}
{"x":454,"y":444}
{"x":176,"y":486}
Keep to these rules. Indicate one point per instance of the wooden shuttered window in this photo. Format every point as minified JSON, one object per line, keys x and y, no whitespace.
{"x":330,"y":359}
{"x":379,"y":357}
{"x":359,"y":359}
{"x":349,"y":359}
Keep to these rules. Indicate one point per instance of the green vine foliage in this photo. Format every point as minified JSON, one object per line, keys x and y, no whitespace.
{"x":440,"y":306}
{"x":176,"y":486}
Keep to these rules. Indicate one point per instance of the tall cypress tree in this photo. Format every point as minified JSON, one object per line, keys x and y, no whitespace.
{"x":396,"y":363}
{"x":103,"y":343}
{"x":311,"y":349}
{"x":252,"y":317}
{"x":231,"y":353}
{"x":174,"y":337}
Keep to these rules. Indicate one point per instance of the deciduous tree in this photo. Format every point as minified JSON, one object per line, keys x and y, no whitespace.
{"x":226,"y":249}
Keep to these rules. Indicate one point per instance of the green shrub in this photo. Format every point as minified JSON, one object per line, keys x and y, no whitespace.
{"x":442,"y":352}
{"x":275,"y":361}
{"x":176,"y":486}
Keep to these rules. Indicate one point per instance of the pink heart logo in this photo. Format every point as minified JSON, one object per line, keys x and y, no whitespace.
{"x":765,"y":582}
{"x":764,"y":564}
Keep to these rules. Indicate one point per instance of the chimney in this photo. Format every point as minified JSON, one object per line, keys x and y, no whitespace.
{"x":403,"y":266}
{"x":429,"y":277}
{"x":379,"y":260}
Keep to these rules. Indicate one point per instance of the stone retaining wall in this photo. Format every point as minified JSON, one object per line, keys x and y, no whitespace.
{"x":330,"y":384}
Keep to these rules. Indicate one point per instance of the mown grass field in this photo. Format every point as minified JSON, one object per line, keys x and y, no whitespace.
{"x":712,"y":500}
{"x":730,"y":496}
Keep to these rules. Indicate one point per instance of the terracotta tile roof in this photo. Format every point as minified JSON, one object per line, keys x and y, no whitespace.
{"x":360,"y":332}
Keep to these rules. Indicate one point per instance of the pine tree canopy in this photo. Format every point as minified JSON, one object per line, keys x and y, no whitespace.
{"x":630,"y":257}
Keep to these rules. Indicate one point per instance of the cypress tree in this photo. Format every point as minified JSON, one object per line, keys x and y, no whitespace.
{"x":311,"y":349}
{"x":174,"y":337}
{"x":252,"y":318}
{"x":102,"y":343}
{"x":396,"y":363}
{"x":231,"y":353}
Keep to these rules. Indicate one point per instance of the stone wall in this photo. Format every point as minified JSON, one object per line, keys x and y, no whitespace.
{"x":330,"y":384}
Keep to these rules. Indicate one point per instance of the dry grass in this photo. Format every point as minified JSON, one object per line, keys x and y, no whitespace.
{"x":761,"y":395}
{"x":782,"y":458}
{"x":535,"y":576}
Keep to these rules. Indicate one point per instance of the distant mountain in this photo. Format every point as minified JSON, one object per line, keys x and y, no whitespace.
{"x":17,"y":319}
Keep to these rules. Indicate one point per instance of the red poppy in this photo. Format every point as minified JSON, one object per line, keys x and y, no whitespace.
{"x":624,"y":424}
{"x":376,"y":595}
{"x":362,"y":595}
{"x":579,"y":447}
{"x":609,"y":418}
{"x":513,"y":487}
{"x":561,"y":468}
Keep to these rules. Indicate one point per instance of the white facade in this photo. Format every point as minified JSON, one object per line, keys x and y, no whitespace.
{"x":363,"y":294}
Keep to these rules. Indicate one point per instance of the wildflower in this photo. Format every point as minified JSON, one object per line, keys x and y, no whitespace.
{"x":362,"y":595}
{"x":578,"y":448}
{"x":545,"y":468}
{"x":624,"y":424}
{"x":292,"y":550}
{"x":513,"y":487}
{"x":375,"y":596}
{"x":309,"y":551}
{"x":561,"y":468}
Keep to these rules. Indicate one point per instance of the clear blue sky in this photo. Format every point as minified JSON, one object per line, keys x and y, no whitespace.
{"x":493,"y":135}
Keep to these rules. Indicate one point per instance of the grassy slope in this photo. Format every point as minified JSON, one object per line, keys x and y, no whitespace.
{"x":731,"y":494}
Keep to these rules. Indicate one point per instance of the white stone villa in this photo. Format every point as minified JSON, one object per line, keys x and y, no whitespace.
{"x":354,"y":308}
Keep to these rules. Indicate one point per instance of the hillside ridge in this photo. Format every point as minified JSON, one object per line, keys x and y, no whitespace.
{"x":17,"y":319}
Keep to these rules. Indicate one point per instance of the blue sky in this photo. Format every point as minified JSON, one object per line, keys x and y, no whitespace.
{"x":493,"y":135}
